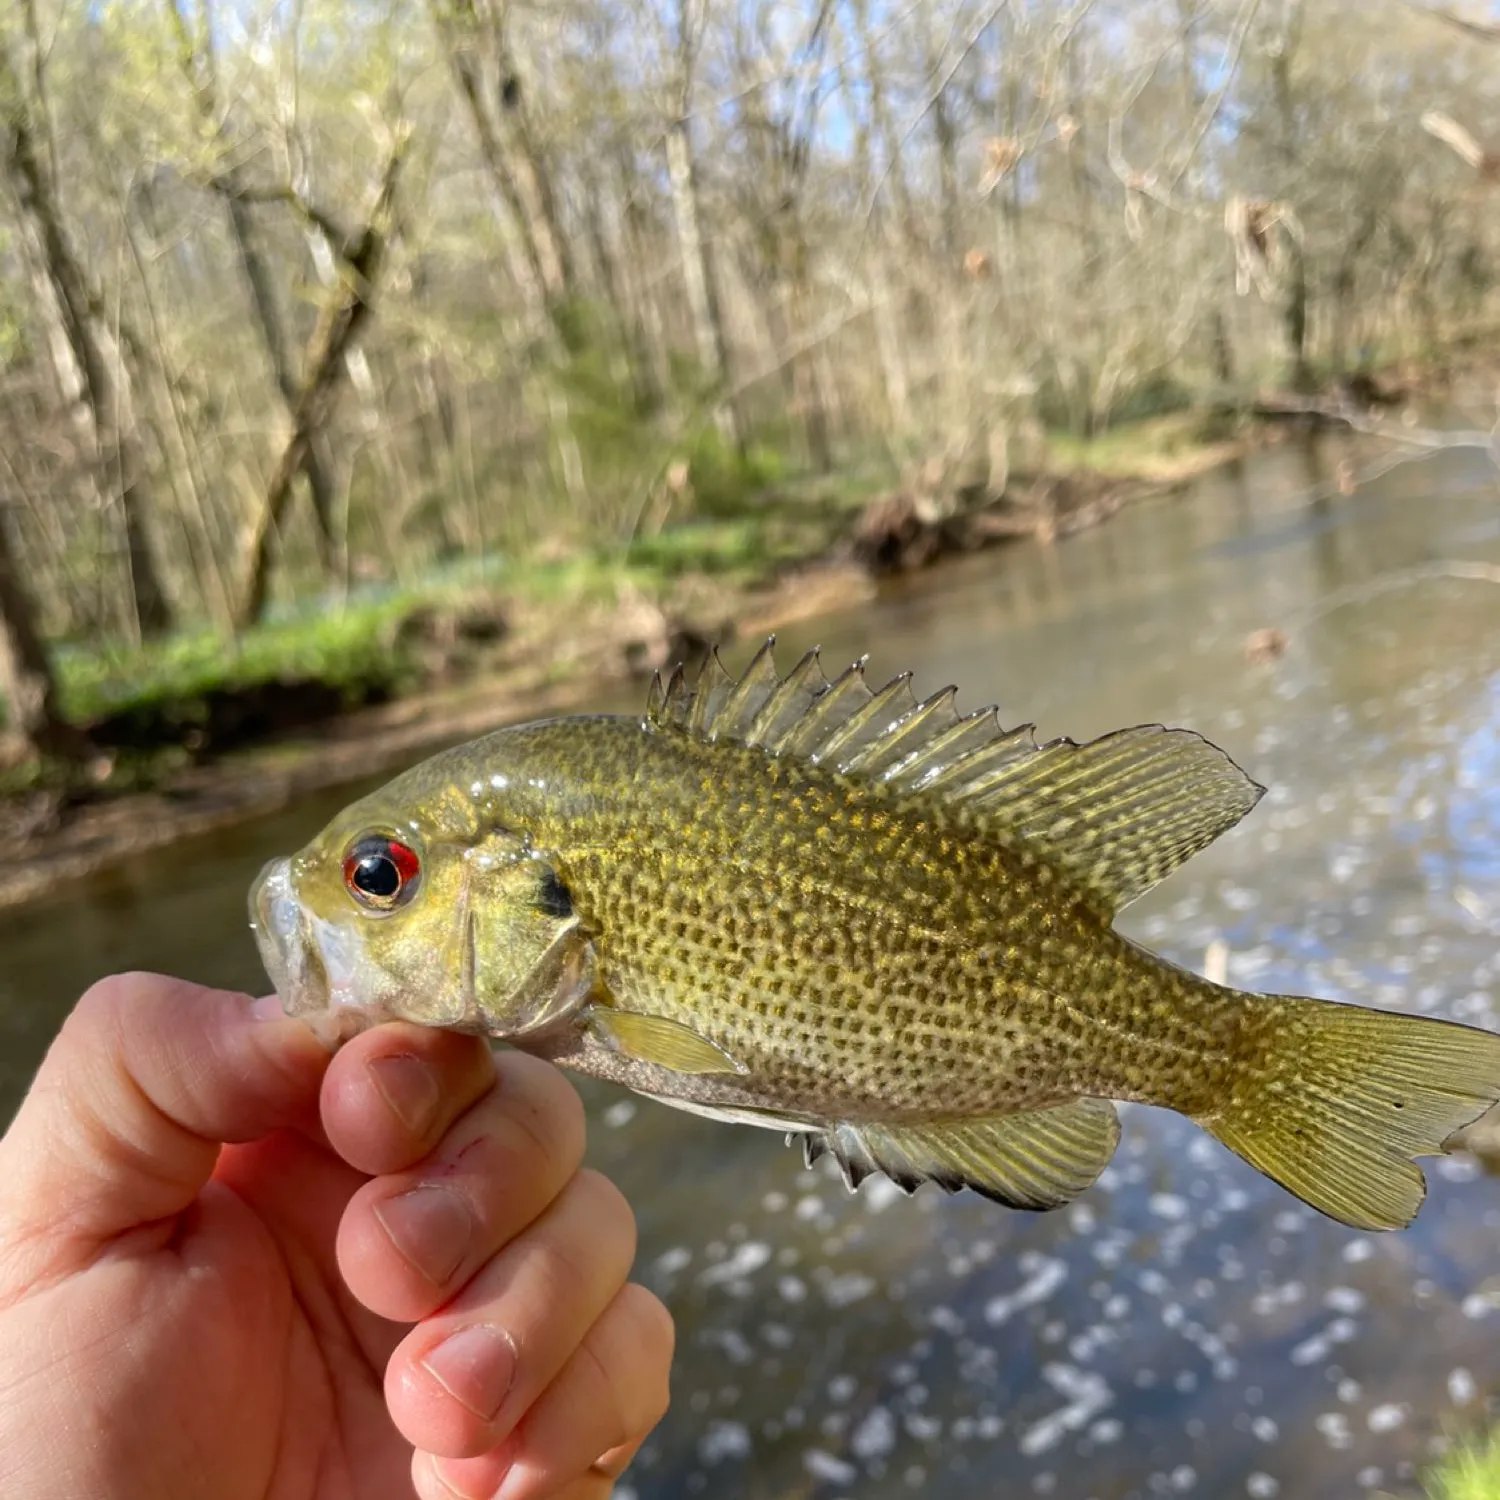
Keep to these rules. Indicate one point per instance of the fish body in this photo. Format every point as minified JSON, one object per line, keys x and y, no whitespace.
{"x":865,"y":920}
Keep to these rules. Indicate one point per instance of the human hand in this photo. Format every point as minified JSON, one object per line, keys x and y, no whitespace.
{"x":410,"y":1291}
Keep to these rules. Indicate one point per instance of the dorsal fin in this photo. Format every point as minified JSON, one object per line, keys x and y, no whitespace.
{"x":1116,"y":815}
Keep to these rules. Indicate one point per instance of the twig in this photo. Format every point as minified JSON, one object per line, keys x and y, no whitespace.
{"x":928,"y":105}
{"x":1485,"y":31}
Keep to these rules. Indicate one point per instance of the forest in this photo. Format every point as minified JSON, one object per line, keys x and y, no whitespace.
{"x":306,"y":301}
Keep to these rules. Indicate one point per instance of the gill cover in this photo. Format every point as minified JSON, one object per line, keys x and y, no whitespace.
{"x":526,"y":961}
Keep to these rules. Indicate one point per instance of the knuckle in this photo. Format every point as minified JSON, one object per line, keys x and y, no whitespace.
{"x":608,"y":1212}
{"x":627,"y":1351}
{"x":586,"y":1240}
{"x":546,"y":1107}
{"x":651,"y":1337}
{"x":102,"y":1002}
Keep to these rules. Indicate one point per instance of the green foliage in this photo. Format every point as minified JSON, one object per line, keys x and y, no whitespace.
{"x":352,"y":649}
{"x":1140,"y":448}
{"x":726,"y":482}
{"x":1470,"y":1472}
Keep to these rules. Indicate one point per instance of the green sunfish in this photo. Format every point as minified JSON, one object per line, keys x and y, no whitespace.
{"x":862,"y":919}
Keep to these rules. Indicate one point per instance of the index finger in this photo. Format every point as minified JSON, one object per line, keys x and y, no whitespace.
{"x":391,"y":1093}
{"x":123,"y":1123}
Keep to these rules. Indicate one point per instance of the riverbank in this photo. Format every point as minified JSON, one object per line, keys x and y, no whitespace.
{"x":197,"y":735}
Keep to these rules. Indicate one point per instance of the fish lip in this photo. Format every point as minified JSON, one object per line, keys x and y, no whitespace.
{"x":290,"y":960}
{"x":314,"y":964}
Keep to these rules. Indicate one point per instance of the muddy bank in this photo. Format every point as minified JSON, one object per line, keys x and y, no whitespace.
{"x":547,"y":669}
{"x":229,"y":756}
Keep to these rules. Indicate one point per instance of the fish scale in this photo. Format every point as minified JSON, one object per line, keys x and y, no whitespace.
{"x":750,"y":967}
{"x":867,"y":919}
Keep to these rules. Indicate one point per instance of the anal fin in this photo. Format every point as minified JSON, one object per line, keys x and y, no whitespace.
{"x":1038,"y":1159}
{"x":655,"y":1039}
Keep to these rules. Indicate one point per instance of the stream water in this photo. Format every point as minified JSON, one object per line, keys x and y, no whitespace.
{"x":1185,"y":1327}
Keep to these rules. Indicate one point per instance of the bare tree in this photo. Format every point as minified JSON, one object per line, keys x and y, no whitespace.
{"x":340,"y":324}
{"x":119,"y":467}
{"x":26,"y":680}
{"x":477,"y":40}
{"x":621,"y":219}
{"x":195,"y":42}
{"x":699,"y":271}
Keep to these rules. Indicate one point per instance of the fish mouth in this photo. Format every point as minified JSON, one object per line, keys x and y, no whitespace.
{"x":291,"y":961}
{"x":316,"y":966}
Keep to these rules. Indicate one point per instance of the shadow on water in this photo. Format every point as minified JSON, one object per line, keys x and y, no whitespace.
{"x":1185,"y":1327}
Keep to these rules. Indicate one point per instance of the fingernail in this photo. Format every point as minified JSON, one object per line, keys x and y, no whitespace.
{"x":268,"y":1008}
{"x":475,"y":1366}
{"x":431,"y":1226}
{"x":408,"y":1085}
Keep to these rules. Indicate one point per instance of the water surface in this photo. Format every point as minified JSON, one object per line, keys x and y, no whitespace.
{"x":1185,"y":1327}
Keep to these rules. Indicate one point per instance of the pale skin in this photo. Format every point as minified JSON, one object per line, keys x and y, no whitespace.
{"x":234,"y":1266}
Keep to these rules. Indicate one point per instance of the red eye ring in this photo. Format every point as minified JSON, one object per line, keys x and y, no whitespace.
{"x":381,"y":873}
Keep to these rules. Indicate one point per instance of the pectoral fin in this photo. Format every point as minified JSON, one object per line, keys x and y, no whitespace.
{"x":654,"y":1039}
{"x":1036,"y":1160}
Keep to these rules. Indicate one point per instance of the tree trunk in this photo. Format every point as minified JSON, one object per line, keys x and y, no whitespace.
{"x":119,"y":462}
{"x":1295,"y":294}
{"x":646,"y":375}
{"x":947,"y":144}
{"x":26,"y":679}
{"x":198,"y":63}
{"x":885,"y":129}
{"x":699,"y":277}
{"x":339,"y":326}
{"x":642,"y":253}
{"x":484,"y":68}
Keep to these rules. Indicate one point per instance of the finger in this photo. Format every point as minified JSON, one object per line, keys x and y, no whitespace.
{"x":410,"y":1241}
{"x":461,"y":1380}
{"x":148,"y":1076}
{"x":391,"y":1092}
{"x":612,"y":1465}
{"x":434,"y":1478}
{"x":607,"y":1398}
{"x":430,"y":1485}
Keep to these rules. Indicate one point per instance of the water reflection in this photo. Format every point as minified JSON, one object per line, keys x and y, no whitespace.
{"x":1185,"y":1328}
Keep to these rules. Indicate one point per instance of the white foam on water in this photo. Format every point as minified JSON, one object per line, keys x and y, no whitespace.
{"x":1086,"y":1393}
{"x":823,"y":1465}
{"x":1045,"y":1276}
{"x":745,"y":1261}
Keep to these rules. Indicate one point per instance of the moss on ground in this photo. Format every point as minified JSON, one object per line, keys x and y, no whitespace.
{"x":1470,"y":1472}
{"x":1153,"y":448}
{"x":745,"y":522}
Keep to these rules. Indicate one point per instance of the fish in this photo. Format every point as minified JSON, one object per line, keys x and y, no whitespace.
{"x":872,"y":922}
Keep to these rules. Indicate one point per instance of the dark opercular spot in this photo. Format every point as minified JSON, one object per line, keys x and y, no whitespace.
{"x":552,"y":896}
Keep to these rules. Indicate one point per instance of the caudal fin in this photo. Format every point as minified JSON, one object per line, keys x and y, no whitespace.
{"x":1348,"y":1097}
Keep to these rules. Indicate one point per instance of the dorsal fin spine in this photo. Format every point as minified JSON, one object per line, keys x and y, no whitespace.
{"x":1114,"y":815}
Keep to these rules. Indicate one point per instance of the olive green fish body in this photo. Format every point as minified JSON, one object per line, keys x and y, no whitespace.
{"x":839,"y":911}
{"x":856,"y":952}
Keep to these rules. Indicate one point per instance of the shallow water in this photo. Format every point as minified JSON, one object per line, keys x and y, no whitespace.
{"x":1185,"y":1327}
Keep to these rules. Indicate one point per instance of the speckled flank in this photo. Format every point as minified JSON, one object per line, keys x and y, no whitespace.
{"x":860,"y":953}
{"x":851,"y":912}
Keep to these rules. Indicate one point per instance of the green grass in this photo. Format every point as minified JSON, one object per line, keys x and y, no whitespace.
{"x":1132,"y":449}
{"x":351,"y":646}
{"x":1470,"y":1472}
{"x":749,"y":520}
{"x":357,"y":646}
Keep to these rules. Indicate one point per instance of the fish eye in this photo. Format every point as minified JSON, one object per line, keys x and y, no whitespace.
{"x":381,"y":873}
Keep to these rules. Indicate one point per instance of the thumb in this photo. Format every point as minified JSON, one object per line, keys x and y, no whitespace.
{"x":122,"y":1126}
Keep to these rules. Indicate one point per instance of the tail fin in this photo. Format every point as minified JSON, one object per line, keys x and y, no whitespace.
{"x":1347,"y":1097}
